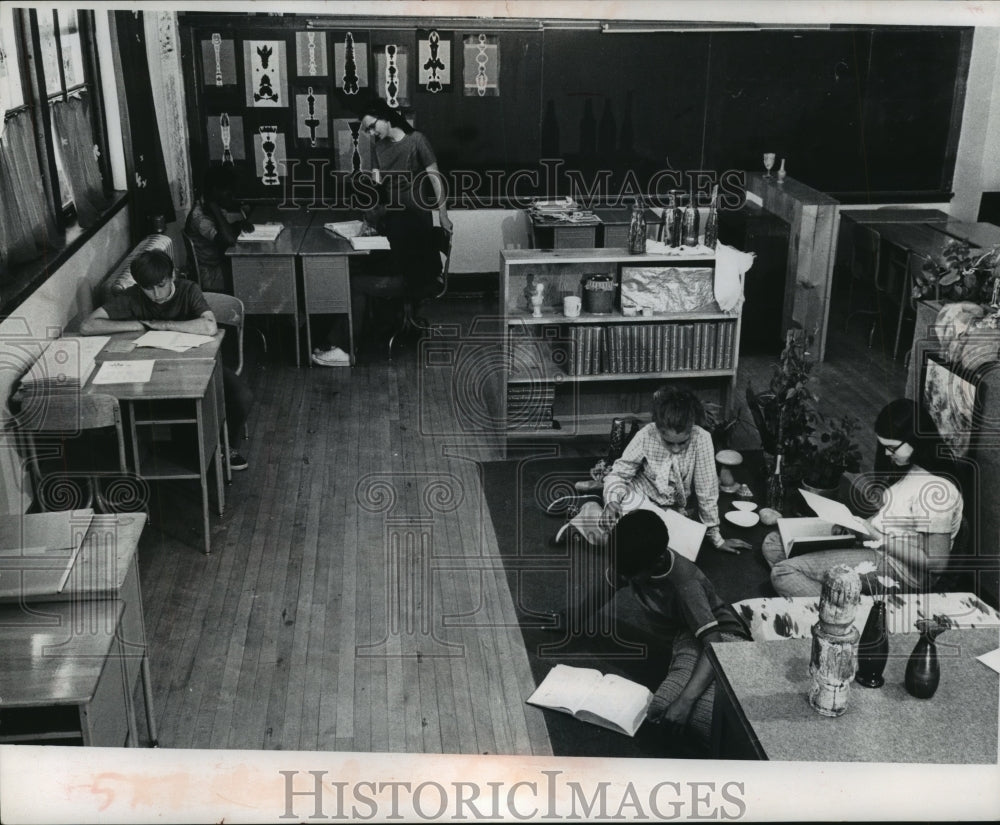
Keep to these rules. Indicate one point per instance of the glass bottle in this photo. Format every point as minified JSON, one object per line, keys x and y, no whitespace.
{"x":637,"y":230}
{"x":712,"y":226}
{"x":776,"y":487}
{"x":690,"y":234}
{"x":873,"y":648}
{"x":676,"y":218}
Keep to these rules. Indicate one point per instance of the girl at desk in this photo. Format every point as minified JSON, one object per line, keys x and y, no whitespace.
{"x":212,"y":228}
{"x":911,"y":534}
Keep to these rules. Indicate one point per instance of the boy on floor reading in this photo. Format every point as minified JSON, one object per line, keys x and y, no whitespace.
{"x":664,"y":595}
{"x":159,"y":301}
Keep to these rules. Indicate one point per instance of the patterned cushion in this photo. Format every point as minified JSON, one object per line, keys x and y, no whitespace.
{"x":120,"y":277}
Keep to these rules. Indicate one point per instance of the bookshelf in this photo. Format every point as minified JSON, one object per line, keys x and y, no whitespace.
{"x":563,"y":377}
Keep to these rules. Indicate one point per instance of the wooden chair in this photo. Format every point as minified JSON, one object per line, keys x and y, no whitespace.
{"x":56,"y":431}
{"x":411,"y":322}
{"x":228,"y":310}
{"x":865,"y":263}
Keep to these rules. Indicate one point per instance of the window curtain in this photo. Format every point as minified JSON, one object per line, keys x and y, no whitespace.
{"x":27,"y":225}
{"x":149,"y":186}
{"x":75,"y":133}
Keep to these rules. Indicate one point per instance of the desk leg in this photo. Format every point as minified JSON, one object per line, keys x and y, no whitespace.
{"x":203,"y":472}
{"x":147,"y":692}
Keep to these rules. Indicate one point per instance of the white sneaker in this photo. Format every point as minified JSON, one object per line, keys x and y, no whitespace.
{"x":333,"y":357}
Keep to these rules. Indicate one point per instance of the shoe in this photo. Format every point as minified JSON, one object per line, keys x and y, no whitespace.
{"x":333,"y":357}
{"x":237,"y":461}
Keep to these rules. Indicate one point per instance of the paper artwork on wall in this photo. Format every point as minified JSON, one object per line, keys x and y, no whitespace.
{"x":433,"y":62}
{"x":310,"y":54}
{"x":264,"y":61}
{"x":353,"y":153}
{"x":350,"y":63}
{"x":218,"y":60}
{"x":391,"y":73}
{"x":269,"y":155}
{"x":481,"y":75}
{"x":310,"y":115}
{"x":225,"y":138}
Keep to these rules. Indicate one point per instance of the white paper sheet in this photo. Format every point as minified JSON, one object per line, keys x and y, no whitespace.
{"x":124,"y":372}
{"x":834,"y":512}
{"x":991,"y":659}
{"x":174,"y":341}
{"x":262,"y":232}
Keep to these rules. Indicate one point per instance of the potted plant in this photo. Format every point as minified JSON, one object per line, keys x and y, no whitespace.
{"x":960,"y":273}
{"x":832,"y":452}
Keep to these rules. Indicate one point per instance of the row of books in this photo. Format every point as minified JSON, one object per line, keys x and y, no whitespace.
{"x":640,"y":348}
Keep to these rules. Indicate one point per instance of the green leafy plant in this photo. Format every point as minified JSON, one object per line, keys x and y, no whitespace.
{"x":960,"y":273}
{"x":833,"y":452}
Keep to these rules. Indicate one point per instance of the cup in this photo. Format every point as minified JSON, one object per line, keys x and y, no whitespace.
{"x":647,"y":312}
{"x":571,"y":306}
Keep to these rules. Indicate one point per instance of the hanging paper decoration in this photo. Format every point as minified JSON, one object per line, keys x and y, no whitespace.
{"x":218,"y":60}
{"x":264,"y":61}
{"x":225,"y":138}
{"x":310,"y":114}
{"x":352,"y":151}
{"x":433,"y":62}
{"x":481,"y":77}
{"x":350,"y":64}
{"x":391,"y":67}
{"x":310,"y":53}
{"x":269,"y":155}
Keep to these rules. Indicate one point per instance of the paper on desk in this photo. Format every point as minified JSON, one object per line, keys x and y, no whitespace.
{"x":370,"y":242}
{"x":174,"y":341}
{"x":262,"y":232}
{"x":346,"y":229}
{"x":991,"y":659}
{"x":124,"y":372}
{"x":834,"y":512}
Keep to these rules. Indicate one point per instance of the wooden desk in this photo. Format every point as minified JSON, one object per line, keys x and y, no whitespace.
{"x":761,"y":709}
{"x":982,"y":235}
{"x":264,"y":274}
{"x":181,"y":391}
{"x":894,"y":215}
{"x":63,"y":678}
{"x":106,"y":568}
{"x":326,"y":282}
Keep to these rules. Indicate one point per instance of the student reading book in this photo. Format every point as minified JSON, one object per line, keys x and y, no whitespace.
{"x":606,"y":700}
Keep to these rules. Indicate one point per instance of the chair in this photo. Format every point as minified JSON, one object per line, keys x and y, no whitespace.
{"x":865,"y":263}
{"x":893,"y":286}
{"x":60,"y":435}
{"x":192,"y":258}
{"x":411,"y":322}
{"x":228,"y":310}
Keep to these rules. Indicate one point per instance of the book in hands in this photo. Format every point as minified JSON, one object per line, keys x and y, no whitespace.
{"x":606,"y":700}
{"x":808,"y":535}
{"x":834,"y":512}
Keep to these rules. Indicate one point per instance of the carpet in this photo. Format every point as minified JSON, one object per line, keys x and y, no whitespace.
{"x":542,"y":579}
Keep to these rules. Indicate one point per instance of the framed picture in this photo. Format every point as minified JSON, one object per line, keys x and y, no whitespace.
{"x":952,"y":402}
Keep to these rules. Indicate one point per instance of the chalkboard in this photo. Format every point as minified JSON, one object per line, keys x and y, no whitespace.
{"x":860,"y":113}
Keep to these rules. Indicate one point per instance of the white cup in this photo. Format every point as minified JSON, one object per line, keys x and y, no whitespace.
{"x":571,"y":306}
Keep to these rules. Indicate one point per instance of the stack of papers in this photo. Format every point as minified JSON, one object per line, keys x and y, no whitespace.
{"x":262,"y":232}
{"x":173,"y":341}
{"x":355,"y":232}
{"x":370,"y":242}
{"x":124,"y":372}
{"x":66,"y":363}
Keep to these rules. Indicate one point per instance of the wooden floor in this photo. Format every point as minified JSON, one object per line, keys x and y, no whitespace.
{"x":354,"y":600}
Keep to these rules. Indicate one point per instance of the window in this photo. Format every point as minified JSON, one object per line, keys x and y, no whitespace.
{"x":53,"y":142}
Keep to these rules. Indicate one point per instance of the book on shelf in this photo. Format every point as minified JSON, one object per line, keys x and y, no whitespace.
{"x":596,"y":336}
{"x":607,"y":700}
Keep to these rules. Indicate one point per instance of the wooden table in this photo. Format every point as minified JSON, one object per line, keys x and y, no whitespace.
{"x":64,"y":677}
{"x":982,"y":235}
{"x":106,"y":568}
{"x":265,"y":273}
{"x":326,"y":282}
{"x":894,"y":215}
{"x":761,"y":709}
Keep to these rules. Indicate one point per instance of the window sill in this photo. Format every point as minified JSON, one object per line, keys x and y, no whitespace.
{"x":26,"y":278}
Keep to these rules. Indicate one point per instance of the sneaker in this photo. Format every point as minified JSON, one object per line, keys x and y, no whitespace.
{"x":237,"y":461}
{"x":333,"y":357}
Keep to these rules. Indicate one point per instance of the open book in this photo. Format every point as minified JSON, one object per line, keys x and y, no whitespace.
{"x":591,"y":696}
{"x":686,"y":535}
{"x":262,"y":232}
{"x":807,"y":535}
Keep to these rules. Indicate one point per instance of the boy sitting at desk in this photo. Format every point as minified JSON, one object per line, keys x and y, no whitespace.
{"x":159,"y":301}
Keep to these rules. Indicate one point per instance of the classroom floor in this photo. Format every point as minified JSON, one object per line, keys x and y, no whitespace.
{"x":354,"y":599}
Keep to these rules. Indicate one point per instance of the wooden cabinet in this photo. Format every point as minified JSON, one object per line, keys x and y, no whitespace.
{"x":563,"y":377}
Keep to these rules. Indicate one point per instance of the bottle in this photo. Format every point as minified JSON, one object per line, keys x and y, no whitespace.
{"x":676,"y":214}
{"x":776,"y":487}
{"x":873,"y":648}
{"x":690,"y":234}
{"x":712,"y":226}
{"x":637,"y":230}
{"x":781,"y":172}
{"x":922,"y":669}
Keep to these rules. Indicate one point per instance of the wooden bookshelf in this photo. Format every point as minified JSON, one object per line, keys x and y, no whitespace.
{"x":565,"y":377}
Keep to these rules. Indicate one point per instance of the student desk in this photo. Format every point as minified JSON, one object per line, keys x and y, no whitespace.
{"x":106,"y":568}
{"x":761,"y":710}
{"x":185,"y":389}
{"x":264,"y":273}
{"x":326,"y":282}
{"x":63,"y":678}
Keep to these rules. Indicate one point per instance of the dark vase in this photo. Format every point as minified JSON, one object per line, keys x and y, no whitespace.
{"x":922,"y":670}
{"x":873,"y":648}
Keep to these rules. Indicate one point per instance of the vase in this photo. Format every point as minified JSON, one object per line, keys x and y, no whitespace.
{"x":922,"y":669}
{"x":873,"y":648}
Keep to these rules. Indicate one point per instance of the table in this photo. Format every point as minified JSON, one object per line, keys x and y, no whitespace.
{"x":326,"y":282}
{"x":976,"y":234}
{"x":63,"y":678}
{"x":761,"y":710}
{"x":894,"y":215}
{"x":106,"y":568}
{"x":265,"y":273}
